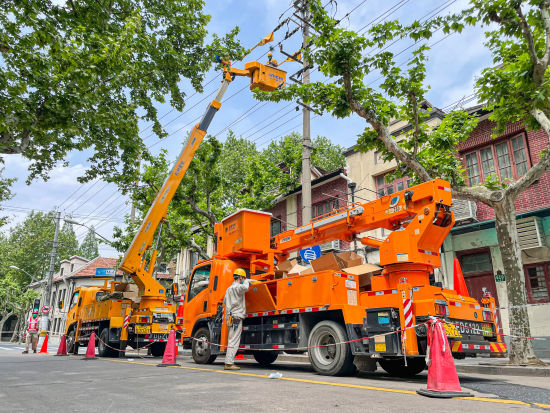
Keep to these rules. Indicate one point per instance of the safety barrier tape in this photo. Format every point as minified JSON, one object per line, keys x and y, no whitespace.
{"x":281,"y":346}
{"x":500,"y":334}
{"x":121,"y":351}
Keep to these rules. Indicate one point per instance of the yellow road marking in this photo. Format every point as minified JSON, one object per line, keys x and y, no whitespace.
{"x":353,"y":386}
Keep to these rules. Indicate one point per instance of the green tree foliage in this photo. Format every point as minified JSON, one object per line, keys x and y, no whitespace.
{"x":90,"y":247}
{"x":221,"y":179}
{"x":5,"y":192}
{"x":516,"y":88}
{"x":30,"y":245}
{"x":79,"y":75}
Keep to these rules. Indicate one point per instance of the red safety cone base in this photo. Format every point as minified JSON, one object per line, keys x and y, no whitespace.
{"x":90,"y":351}
{"x":443,"y":394}
{"x":62,"y":350}
{"x":169,"y":357}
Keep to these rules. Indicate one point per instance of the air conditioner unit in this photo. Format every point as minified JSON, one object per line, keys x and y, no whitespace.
{"x":465,"y":211}
{"x":530,"y":233}
{"x":333,"y":245}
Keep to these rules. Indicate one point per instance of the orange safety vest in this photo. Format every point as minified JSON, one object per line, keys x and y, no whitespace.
{"x":33,"y":325}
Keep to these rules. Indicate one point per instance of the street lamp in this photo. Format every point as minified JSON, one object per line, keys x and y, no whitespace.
{"x":13,"y":267}
{"x":72,"y":221}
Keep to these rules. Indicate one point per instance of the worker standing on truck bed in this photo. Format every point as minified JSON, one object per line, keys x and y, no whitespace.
{"x":32,"y":332}
{"x":235,"y":313}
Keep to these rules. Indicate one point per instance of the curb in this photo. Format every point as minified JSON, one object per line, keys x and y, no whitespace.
{"x":504,"y":370}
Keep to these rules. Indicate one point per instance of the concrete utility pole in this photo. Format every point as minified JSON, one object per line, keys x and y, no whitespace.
{"x":306,"y":137}
{"x":53,"y":256}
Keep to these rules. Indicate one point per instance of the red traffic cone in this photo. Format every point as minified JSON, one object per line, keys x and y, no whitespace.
{"x":180,"y":308}
{"x":90,"y":351}
{"x":240,"y":357}
{"x":442,"y":378}
{"x":169,"y":357}
{"x":44,"y":348}
{"x":459,"y":283}
{"x":62,"y":350}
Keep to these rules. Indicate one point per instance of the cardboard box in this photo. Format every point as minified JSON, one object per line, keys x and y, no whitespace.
{"x":328,"y":262}
{"x":364,"y":273}
{"x":350,"y":258}
{"x":282,"y":269}
{"x":298,"y":270}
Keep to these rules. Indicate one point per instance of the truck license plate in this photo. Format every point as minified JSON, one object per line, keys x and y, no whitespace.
{"x":143,"y":329}
{"x":487,"y":330}
{"x":451,"y":330}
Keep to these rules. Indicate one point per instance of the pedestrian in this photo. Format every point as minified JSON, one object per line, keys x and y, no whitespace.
{"x":235,"y":313}
{"x":32,"y":332}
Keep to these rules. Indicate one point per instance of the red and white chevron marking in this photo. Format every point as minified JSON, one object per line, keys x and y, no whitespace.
{"x":126,"y":320}
{"x":408,"y":311}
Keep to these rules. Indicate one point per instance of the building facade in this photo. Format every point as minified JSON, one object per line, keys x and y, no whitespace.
{"x":329,"y":192}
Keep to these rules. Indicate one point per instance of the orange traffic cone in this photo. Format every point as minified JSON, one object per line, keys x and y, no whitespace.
{"x":62,"y":350}
{"x":90,"y":351}
{"x":459,"y":283}
{"x":240,"y":357}
{"x":169,"y":357}
{"x":44,"y":348}
{"x":442,"y":378}
{"x":180,"y":308}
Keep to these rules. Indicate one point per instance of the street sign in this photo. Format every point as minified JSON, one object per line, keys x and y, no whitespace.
{"x":500,"y":277}
{"x":45,"y":309}
{"x":311,"y":253}
{"x":109,"y":272}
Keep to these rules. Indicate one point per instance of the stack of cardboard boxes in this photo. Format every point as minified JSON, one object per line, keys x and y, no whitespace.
{"x":129,"y":291}
{"x":348,"y":262}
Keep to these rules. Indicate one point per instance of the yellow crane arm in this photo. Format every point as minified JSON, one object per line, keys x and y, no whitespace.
{"x":133,"y":262}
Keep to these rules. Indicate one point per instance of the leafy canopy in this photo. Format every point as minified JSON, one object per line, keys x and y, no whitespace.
{"x":79,"y":75}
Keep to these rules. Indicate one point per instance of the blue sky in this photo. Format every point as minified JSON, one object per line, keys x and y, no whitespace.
{"x":455,"y":61}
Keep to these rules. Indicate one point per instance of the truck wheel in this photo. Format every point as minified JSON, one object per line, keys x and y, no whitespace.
{"x":157,"y":349}
{"x":72,"y":347}
{"x":397,"y":368}
{"x":265,"y":358}
{"x":102,"y":349}
{"x":201,"y":351}
{"x":331,"y":359}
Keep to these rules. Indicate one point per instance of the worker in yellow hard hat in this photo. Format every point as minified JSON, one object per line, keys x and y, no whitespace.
{"x":235,"y":313}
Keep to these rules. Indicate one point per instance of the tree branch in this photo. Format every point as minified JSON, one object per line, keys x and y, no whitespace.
{"x":528,"y":37}
{"x":478,"y":194}
{"x":546,"y":23}
{"x":207,"y":214}
{"x":383,"y":131}
{"x":416,"y":126}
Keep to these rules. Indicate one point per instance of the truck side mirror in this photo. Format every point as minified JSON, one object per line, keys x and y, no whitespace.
{"x":60,"y":305}
{"x":175,"y":289}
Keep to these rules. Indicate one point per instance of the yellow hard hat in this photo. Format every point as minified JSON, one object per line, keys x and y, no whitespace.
{"x":239,"y":272}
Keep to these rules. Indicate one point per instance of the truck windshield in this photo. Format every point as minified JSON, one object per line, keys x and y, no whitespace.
{"x":199,"y":281}
{"x":74,"y":300}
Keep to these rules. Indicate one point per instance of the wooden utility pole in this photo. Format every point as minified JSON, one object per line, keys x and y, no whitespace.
{"x":306,"y":128}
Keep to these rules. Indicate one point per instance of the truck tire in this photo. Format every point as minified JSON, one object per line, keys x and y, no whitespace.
{"x":265,"y":358}
{"x":335,"y":360}
{"x":102,"y":349}
{"x":72,"y":347}
{"x":397,"y":368}
{"x":202,"y":352}
{"x":157,"y":349}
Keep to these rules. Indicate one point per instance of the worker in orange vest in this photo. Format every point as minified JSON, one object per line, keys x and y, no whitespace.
{"x":32,"y":332}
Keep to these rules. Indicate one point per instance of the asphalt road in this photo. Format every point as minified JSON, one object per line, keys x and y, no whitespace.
{"x":45,"y":383}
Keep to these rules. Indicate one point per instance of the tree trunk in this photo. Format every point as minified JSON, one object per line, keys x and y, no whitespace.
{"x":520,"y":350}
{"x":3,"y":321}
{"x":17,"y":330}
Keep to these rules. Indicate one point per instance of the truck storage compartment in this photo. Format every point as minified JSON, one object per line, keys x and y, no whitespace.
{"x":243,"y":233}
{"x":379,"y":321}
